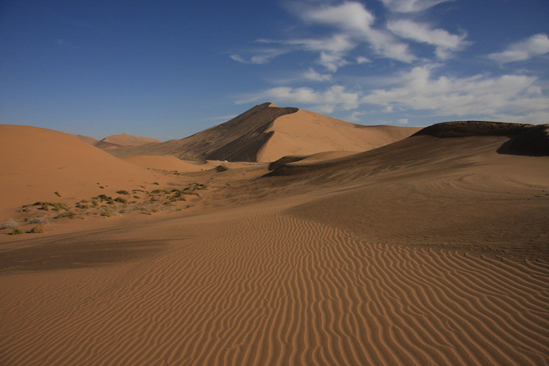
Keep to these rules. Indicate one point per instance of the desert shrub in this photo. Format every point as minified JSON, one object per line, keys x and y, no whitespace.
{"x":123,"y":211}
{"x":57,"y":194}
{"x":136,"y":197}
{"x":156,"y":183}
{"x":39,"y":220}
{"x":191,"y":193}
{"x":38,"y":229}
{"x":84,"y":201}
{"x":160,"y":191}
{"x":82,"y":206}
{"x":24,"y":208}
{"x":94,"y":203}
{"x":123,"y":192}
{"x":121,"y":200}
{"x":17,"y":232}
{"x":154,"y":210}
{"x":10,"y":224}
{"x":106,"y":213}
{"x":69,"y":214}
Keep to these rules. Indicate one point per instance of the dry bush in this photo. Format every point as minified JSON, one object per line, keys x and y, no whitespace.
{"x":38,"y":229}
{"x":10,"y":224}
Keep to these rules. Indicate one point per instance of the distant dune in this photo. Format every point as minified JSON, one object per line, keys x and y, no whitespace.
{"x":122,"y":140}
{"x":37,"y":162}
{"x":87,"y":139}
{"x":266,"y":133}
{"x":167,"y":162}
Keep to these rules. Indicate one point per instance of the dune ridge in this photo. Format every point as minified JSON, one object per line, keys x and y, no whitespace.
{"x":266,"y":133}
{"x":122,"y":140}
{"x":40,"y":162}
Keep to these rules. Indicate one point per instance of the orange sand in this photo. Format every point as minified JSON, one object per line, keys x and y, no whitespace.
{"x":427,"y":251}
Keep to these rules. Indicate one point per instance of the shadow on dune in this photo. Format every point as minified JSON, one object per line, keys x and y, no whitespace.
{"x":524,"y":139}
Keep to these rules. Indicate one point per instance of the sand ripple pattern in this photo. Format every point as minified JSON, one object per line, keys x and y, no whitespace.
{"x":278,"y":290}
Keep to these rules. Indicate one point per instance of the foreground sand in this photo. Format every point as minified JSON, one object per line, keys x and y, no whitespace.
{"x":436,"y":259}
{"x":257,"y":287}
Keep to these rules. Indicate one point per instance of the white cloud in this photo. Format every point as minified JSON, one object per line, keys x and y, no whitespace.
{"x":362,"y":60}
{"x":332,"y":49}
{"x":261,"y":56}
{"x":481,"y":95}
{"x":356,"y":22}
{"x":421,"y":32}
{"x":354,"y":116}
{"x":523,"y":50}
{"x":238,"y":58}
{"x":312,"y":75}
{"x":403,"y":121}
{"x":326,"y":101}
{"x":410,"y":6}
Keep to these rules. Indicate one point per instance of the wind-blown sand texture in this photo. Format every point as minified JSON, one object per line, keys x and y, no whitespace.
{"x":266,"y":133}
{"x":428,"y":251}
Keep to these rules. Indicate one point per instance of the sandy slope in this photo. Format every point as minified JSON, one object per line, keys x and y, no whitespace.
{"x":38,"y":162}
{"x":266,"y":133}
{"x":388,"y":257}
{"x":122,"y":140}
{"x":167,"y":162}
{"x":305,"y":133}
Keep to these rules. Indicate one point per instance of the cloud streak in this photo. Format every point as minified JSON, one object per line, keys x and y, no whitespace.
{"x":444,"y":42}
{"x":489,"y":96}
{"x":524,"y":50}
{"x":410,"y":6}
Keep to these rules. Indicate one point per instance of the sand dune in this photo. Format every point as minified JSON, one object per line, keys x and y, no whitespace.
{"x":266,"y":133}
{"x":38,"y":162}
{"x":167,"y":162}
{"x":427,"y":251}
{"x":305,"y":133}
{"x":122,"y":140}
{"x":88,"y":139}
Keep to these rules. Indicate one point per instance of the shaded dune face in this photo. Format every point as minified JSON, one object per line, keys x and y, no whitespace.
{"x":266,"y":132}
{"x":118,"y":141}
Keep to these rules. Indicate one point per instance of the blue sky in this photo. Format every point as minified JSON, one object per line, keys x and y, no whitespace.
{"x":167,"y":69}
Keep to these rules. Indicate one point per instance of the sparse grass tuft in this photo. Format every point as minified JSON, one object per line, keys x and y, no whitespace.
{"x":57,"y":194}
{"x":39,"y":220}
{"x":10,"y":224}
{"x":121,"y":200}
{"x":123,"y":192}
{"x":69,"y":214}
{"x":17,"y":232}
{"x":106,"y":214}
{"x":38,"y":229}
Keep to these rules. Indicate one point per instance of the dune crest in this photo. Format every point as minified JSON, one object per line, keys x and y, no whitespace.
{"x":122,"y":140}
{"x":266,"y":133}
{"x":39,"y":162}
